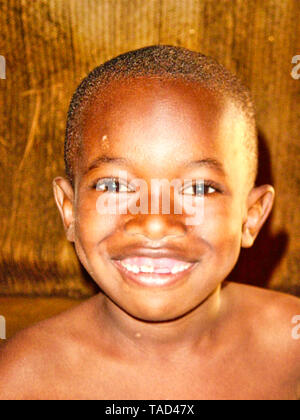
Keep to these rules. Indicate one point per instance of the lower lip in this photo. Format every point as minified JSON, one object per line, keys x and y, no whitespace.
{"x":153,"y":279}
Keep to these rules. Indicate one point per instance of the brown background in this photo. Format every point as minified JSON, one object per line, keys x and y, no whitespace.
{"x":50,"y":45}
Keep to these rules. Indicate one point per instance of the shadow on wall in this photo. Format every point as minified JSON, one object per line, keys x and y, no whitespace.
{"x":257,"y":264}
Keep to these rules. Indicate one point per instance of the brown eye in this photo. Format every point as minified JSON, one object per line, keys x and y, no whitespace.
{"x":201,"y":188}
{"x":111,"y":185}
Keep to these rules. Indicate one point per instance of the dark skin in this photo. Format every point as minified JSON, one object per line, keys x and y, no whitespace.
{"x":202,"y":338}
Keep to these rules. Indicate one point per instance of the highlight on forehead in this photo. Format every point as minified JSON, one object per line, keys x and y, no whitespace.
{"x":163,"y":62}
{"x":104,"y":143}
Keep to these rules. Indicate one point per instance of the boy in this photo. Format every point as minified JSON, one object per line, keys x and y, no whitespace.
{"x":166,"y":324}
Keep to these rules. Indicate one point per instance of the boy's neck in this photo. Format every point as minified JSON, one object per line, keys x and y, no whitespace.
{"x":162,"y":339}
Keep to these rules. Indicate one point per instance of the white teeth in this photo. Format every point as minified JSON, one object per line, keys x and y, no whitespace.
{"x":134,"y":268}
{"x":150,"y":269}
{"x":179,"y":268}
{"x":147,"y":269}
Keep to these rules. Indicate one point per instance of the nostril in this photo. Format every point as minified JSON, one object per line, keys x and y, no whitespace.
{"x":155,"y":227}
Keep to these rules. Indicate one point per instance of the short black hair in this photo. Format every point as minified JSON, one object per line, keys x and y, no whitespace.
{"x":167,"y":62}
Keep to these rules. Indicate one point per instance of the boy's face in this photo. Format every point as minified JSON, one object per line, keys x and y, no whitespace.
{"x":160,"y":130}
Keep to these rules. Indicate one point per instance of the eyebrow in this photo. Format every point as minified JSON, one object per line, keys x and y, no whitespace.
{"x":106,"y":159}
{"x":206,"y":162}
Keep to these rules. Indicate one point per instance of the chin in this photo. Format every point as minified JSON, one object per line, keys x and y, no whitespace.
{"x":156,"y":312}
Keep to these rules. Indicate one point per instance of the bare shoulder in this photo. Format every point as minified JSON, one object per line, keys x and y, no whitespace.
{"x":32,"y":358}
{"x":272,"y":314}
{"x":272,"y":320}
{"x":259,"y":297}
{"x":21,"y":362}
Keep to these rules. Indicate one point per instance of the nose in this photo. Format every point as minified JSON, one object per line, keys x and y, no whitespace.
{"x":155,"y":227}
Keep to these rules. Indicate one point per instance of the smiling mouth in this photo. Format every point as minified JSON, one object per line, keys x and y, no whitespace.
{"x":153,"y":272}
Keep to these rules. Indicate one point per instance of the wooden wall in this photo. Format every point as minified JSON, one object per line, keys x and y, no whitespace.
{"x":50,"y":45}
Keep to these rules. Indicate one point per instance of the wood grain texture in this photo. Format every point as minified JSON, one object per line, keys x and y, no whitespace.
{"x":22,"y":312}
{"x":50,"y":45}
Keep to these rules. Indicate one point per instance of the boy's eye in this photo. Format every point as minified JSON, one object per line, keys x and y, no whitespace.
{"x":201,"y":188}
{"x":113,"y":185}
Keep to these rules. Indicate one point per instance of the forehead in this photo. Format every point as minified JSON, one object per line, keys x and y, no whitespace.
{"x":152,"y":119}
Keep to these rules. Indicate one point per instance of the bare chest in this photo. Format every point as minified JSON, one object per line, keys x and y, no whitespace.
{"x":213,"y":381}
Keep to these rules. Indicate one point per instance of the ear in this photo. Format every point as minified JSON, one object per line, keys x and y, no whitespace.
{"x":260,"y":203}
{"x":64,"y":197}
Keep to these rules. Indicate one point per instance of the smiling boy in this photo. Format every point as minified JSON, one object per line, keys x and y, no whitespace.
{"x":166,"y":324}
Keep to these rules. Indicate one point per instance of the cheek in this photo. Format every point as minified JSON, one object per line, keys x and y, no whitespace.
{"x":90,"y":226}
{"x":91,"y":230}
{"x":221,"y":229}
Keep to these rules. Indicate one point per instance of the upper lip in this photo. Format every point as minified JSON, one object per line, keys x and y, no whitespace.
{"x":154,"y":253}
